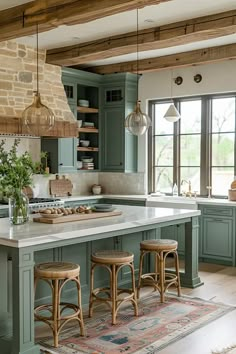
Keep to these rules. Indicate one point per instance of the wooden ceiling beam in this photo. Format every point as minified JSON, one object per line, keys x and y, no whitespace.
{"x":191,"y":58}
{"x":175,"y":34}
{"x":21,"y":20}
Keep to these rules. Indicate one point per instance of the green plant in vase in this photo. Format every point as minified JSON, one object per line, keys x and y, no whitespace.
{"x":15,"y":174}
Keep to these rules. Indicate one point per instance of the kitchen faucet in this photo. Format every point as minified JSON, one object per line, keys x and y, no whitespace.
{"x":189,"y":192}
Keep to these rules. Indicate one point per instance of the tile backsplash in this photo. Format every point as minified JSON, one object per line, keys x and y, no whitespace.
{"x":112,"y":183}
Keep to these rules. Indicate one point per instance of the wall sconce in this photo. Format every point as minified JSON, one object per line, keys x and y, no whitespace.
{"x":197,"y":78}
{"x":178,"y":80}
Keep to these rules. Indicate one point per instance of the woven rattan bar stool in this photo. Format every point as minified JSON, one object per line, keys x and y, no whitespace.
{"x":113,"y":261}
{"x":160,"y":279}
{"x":57,"y":274}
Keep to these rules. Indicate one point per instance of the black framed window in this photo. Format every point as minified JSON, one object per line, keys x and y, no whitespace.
{"x":199,"y":148}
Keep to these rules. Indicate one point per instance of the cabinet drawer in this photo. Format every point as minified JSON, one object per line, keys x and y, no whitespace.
{"x":221,"y":211}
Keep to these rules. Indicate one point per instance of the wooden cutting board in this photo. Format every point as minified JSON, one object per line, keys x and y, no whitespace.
{"x":60,"y":187}
{"x":76,"y":217}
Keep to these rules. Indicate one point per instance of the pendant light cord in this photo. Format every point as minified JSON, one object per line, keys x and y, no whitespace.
{"x":137,"y":58}
{"x":37,"y":49}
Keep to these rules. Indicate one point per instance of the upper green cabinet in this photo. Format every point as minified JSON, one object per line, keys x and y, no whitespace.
{"x":100,"y":104}
{"x":118,"y":98}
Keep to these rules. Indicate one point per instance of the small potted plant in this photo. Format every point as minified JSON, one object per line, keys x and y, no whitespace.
{"x":15,"y":174}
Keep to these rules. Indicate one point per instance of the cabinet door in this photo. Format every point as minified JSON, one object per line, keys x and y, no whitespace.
{"x":113,"y":96}
{"x":217,"y":238}
{"x":67,"y":156}
{"x":113,"y":139}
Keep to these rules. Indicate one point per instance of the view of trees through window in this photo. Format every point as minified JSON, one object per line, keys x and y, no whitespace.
{"x":199,"y":148}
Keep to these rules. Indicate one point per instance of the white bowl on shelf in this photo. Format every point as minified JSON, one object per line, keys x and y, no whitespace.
{"x":84,"y":143}
{"x":83,"y":103}
{"x":86,"y":159}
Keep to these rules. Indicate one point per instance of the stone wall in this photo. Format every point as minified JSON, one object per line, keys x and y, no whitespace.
{"x":18,"y":71}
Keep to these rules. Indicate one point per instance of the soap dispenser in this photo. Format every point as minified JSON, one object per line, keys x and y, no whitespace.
{"x":175,"y":190}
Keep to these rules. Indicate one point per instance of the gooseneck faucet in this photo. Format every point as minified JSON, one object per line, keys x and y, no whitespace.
{"x":189,"y":193}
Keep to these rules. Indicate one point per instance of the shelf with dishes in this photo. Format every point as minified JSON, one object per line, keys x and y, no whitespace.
{"x":90,"y":148}
{"x":87,"y":130}
{"x":82,"y":109}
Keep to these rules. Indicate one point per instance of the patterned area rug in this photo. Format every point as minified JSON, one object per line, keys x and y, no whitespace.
{"x":156,"y":327}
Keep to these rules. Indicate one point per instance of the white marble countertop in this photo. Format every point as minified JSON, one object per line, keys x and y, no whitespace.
{"x":32,"y":233}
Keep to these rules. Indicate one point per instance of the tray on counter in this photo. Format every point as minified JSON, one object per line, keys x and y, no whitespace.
{"x":76,"y":217}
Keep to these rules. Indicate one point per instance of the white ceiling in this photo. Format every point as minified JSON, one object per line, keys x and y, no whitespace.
{"x":150,"y":16}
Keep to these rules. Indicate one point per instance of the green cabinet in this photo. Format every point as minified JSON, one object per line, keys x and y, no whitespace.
{"x":119,"y":148}
{"x":217,"y":234}
{"x":124,"y":201}
{"x":177,"y":233}
{"x":61,"y":154}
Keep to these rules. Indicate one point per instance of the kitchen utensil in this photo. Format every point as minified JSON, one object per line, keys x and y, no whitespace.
{"x":60,"y":187}
{"x":76,"y":217}
{"x":103,"y":206}
{"x":84,"y":143}
{"x":105,"y":210}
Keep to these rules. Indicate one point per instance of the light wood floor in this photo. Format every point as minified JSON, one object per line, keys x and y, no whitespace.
{"x":219,"y":286}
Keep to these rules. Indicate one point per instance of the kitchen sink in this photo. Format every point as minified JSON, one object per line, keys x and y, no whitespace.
{"x":172,"y":202}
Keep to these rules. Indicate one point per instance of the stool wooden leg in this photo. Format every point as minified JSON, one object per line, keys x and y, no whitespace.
{"x":56,"y":311}
{"x":162,"y":276}
{"x":177,"y":272}
{"x":134,"y":289}
{"x":140,"y":273}
{"x":156,"y":267}
{"x":91,"y":290}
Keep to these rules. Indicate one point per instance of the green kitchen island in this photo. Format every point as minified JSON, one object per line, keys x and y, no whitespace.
{"x":24,"y":245}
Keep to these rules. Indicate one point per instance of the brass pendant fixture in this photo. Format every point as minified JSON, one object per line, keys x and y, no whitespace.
{"x":137,"y":122}
{"x":37,"y":117}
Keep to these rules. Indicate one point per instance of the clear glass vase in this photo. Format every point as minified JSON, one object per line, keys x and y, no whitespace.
{"x":18,"y":208}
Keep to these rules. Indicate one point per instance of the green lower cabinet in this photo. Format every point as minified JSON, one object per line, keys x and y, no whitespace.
{"x":217,"y":239}
{"x":124,"y":201}
{"x":177,"y":233}
{"x":87,"y":202}
{"x":217,"y":234}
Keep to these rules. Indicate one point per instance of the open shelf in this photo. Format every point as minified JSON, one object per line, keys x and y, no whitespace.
{"x":87,"y":130}
{"x":87,"y":109}
{"x":80,"y":148}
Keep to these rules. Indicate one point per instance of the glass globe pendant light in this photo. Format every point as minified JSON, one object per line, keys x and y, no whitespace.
{"x":37,"y":117}
{"x":172,"y":114}
{"x":137,"y":122}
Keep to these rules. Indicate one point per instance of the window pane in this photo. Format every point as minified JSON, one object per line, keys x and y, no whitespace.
{"x":191,"y":174}
{"x":190,"y":150}
{"x":190,"y":117}
{"x":223,"y":114}
{"x":163,"y":179}
{"x":162,"y":126}
{"x":164,"y":150}
{"x":223,"y":149}
{"x":221,"y":180}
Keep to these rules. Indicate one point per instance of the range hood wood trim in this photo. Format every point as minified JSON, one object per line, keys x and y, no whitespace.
{"x":13,"y":125}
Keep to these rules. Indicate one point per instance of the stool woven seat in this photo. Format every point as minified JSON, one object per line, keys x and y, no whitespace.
{"x":57,"y":274}
{"x":159,"y":279}
{"x":113,"y":261}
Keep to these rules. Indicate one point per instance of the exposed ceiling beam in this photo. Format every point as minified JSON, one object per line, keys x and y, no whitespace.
{"x":179,"y":33}
{"x":21,"y":20}
{"x":195,"y":57}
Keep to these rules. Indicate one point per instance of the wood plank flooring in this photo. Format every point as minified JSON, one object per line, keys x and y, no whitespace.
{"x":219,"y":286}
